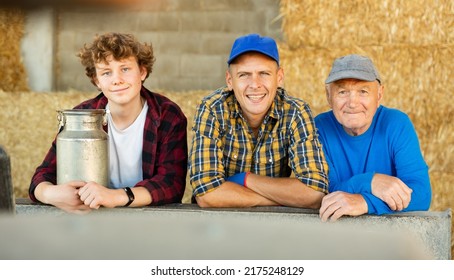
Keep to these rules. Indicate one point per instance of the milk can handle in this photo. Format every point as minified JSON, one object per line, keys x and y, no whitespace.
{"x":105,"y":117}
{"x":61,"y":120}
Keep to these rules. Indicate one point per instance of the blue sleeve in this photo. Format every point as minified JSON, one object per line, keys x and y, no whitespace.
{"x":411,"y":167}
{"x":375,"y":205}
{"x":357,"y":184}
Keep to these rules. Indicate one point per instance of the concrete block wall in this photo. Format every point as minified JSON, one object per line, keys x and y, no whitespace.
{"x":191,"y":38}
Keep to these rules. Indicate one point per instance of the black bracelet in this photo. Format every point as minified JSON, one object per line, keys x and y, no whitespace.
{"x":130,"y":196}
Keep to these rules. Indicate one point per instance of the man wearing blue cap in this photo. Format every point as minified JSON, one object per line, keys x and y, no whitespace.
{"x":376,"y":164}
{"x":250,"y":136}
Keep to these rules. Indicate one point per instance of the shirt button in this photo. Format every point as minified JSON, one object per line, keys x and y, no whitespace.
{"x":270,"y":160}
{"x":235,"y":156}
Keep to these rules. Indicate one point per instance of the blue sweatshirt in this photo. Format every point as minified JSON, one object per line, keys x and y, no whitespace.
{"x":390,"y":146}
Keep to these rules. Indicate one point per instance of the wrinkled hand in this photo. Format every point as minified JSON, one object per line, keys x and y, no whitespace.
{"x":392,"y":191}
{"x":66,"y":197}
{"x":338,"y":204}
{"x":95,"y":195}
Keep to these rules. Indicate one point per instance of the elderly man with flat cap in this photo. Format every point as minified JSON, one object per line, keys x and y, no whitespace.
{"x":250,"y":136}
{"x":376,"y":164}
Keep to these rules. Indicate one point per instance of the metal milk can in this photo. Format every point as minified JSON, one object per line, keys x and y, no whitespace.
{"x":82,"y":147}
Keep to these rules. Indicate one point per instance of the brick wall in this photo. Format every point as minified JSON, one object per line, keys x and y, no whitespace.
{"x":191,"y":38}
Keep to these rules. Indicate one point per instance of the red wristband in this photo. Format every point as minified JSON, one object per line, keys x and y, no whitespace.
{"x":245,"y":177}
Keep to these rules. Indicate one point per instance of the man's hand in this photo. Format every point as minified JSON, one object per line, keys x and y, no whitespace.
{"x":338,"y":204}
{"x":392,"y":191}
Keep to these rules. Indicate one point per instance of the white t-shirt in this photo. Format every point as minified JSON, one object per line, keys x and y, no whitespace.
{"x":125,"y":151}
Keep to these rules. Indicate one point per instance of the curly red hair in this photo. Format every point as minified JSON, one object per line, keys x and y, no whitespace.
{"x":118,"y":45}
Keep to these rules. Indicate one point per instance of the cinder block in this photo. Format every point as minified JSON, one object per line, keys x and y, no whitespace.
{"x":217,"y":43}
{"x":234,"y":5}
{"x":168,"y":83}
{"x":166,"y":65}
{"x":160,"y":6}
{"x":158,"y":21}
{"x":179,"y":43}
{"x":201,"y":65}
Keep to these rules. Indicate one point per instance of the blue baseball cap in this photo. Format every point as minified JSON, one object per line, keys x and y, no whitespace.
{"x":254,"y":43}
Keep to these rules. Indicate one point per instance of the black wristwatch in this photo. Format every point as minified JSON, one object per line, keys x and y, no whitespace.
{"x":130,"y":196}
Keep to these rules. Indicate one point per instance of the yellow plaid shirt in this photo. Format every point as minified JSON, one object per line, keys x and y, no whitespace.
{"x":223,"y":144}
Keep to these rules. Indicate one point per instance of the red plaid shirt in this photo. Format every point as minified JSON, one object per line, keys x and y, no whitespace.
{"x":164,"y":154}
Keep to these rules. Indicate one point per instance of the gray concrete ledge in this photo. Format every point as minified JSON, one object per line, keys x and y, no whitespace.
{"x":185,"y":231}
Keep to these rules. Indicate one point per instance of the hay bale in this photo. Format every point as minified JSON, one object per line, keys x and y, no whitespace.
{"x":374,"y":23}
{"x":442,"y":183}
{"x":13,"y":77}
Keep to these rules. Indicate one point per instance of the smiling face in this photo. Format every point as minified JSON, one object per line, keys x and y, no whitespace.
{"x":254,"y":78}
{"x":354,"y":103}
{"x":120,"y":80}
